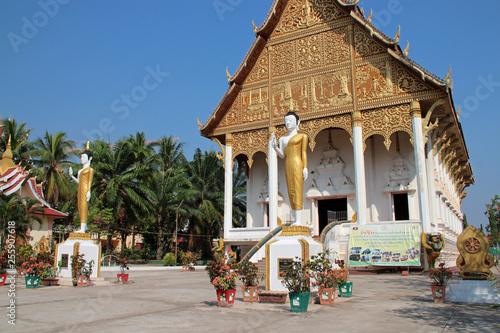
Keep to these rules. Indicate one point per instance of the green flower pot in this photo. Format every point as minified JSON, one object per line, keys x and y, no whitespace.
{"x":299,"y":301}
{"x":345,"y":289}
{"x":32,"y":282}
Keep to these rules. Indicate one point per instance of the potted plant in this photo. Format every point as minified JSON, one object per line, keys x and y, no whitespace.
{"x":323,"y":277}
{"x":440,"y":277}
{"x":80,"y":270}
{"x":48,"y":276}
{"x":345,"y":287}
{"x":296,"y":280}
{"x":32,"y":274}
{"x":249,"y":277}
{"x":223,"y":278}
{"x":3,"y":267}
{"x":122,"y":261}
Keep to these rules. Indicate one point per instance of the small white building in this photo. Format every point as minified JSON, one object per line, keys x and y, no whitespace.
{"x":385,"y":141}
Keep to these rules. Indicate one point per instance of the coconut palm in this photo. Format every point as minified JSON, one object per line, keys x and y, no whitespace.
{"x":19,"y":211}
{"x":206,"y":175}
{"x":121,"y":184}
{"x":51,"y":154}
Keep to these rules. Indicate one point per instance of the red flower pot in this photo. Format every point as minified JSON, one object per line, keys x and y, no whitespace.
{"x":250,"y":294}
{"x":326,"y":296}
{"x":226,"y":297}
{"x":122,"y":277}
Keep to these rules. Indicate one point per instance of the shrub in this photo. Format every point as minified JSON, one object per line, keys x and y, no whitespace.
{"x":169,"y":259}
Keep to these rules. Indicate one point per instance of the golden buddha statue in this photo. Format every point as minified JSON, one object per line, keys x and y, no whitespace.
{"x":293,"y":147}
{"x":84,"y":181}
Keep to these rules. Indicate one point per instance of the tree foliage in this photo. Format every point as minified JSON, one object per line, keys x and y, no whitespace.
{"x":493,"y":213}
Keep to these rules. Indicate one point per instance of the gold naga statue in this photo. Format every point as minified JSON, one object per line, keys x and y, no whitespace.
{"x":474,"y":260}
{"x":433,"y":245}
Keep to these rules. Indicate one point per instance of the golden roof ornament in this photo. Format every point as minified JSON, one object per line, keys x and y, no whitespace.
{"x":228,"y":75}
{"x":255,"y":28}
{"x":362,"y":11}
{"x":447,"y":79}
{"x":458,"y":111}
{"x":396,"y":38}
{"x":369,"y":19}
{"x":199,"y":123}
{"x":88,"y":146}
{"x":6,"y":162}
{"x":407,"y":48}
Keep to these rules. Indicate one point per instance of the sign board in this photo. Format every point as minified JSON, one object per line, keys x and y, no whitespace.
{"x":283,"y":263}
{"x":64,"y":260}
{"x":396,"y":244}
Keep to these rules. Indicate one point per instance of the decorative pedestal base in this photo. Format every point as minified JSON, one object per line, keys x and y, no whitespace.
{"x":472,"y":291}
{"x":294,"y":241}
{"x":78,"y":243}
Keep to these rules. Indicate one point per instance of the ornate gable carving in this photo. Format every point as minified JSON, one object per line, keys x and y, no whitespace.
{"x":249,"y":143}
{"x":301,"y":14}
{"x":409,"y":82}
{"x":290,"y":95}
{"x":314,"y":126}
{"x":232,"y":117}
{"x":385,"y":121}
{"x":374,"y":80}
{"x":364,"y":45}
{"x":260,"y":70}
{"x":336,"y":46}
{"x":283,"y":59}
{"x":254,"y":104}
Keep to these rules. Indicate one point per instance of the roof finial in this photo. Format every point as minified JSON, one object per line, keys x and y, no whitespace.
{"x":228,"y":75}
{"x":369,"y":19}
{"x":255,"y":28}
{"x":447,"y":79}
{"x":87,"y":147}
{"x":396,"y":38}
{"x":407,"y":48}
{"x":199,"y":123}
{"x":458,"y":112}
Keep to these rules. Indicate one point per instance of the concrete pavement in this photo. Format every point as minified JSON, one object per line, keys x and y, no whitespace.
{"x":176,"y":301}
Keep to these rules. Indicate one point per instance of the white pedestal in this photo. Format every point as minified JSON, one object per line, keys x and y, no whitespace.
{"x":472,"y":291}
{"x":294,"y":241}
{"x":84,"y":245}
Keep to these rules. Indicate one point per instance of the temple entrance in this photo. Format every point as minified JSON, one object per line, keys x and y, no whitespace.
{"x":401,"y":212}
{"x":331,"y":210}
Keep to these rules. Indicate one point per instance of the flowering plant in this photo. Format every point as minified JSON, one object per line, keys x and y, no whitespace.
{"x":295,"y":277}
{"x":341,"y":275}
{"x":33,"y":267}
{"x":324,"y":279}
{"x":440,"y":275}
{"x":249,"y":273}
{"x":226,"y":279}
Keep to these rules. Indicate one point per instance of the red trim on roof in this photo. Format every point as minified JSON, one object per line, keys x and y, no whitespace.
{"x":51,"y":212}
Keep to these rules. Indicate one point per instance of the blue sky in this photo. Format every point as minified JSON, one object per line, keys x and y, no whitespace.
{"x":113,"y":68}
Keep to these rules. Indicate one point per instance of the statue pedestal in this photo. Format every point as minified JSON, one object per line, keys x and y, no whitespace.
{"x":78,"y":242}
{"x":472,"y":291}
{"x":294,"y":241}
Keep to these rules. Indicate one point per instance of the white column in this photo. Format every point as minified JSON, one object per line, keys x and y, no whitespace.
{"x":272,"y":158}
{"x":433,"y":214}
{"x":359,"y":171}
{"x":228,"y":186}
{"x":418,"y":148}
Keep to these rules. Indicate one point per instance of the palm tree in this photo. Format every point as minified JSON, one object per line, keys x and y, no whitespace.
{"x":206,"y":175}
{"x":19,"y":211}
{"x":53,"y":153}
{"x":239,"y":198}
{"x":120,"y":182}
{"x":169,"y":154}
{"x":20,"y":146}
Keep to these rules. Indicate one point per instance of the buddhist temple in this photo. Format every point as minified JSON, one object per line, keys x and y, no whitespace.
{"x":14,"y":179}
{"x":385,"y":141}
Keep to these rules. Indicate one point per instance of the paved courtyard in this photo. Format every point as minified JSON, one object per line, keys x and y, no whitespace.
{"x":176,"y":301}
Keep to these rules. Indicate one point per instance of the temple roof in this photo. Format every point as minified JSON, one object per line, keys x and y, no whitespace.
{"x":13,"y":177}
{"x":264,"y":32}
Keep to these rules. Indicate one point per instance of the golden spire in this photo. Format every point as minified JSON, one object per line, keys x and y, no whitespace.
{"x":255,"y":28}
{"x":87,"y":147}
{"x":6,"y":163}
{"x":228,"y":75}
{"x":407,"y":48}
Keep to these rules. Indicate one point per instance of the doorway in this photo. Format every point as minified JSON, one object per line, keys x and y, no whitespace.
{"x":401,"y":212}
{"x":331,"y":210}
